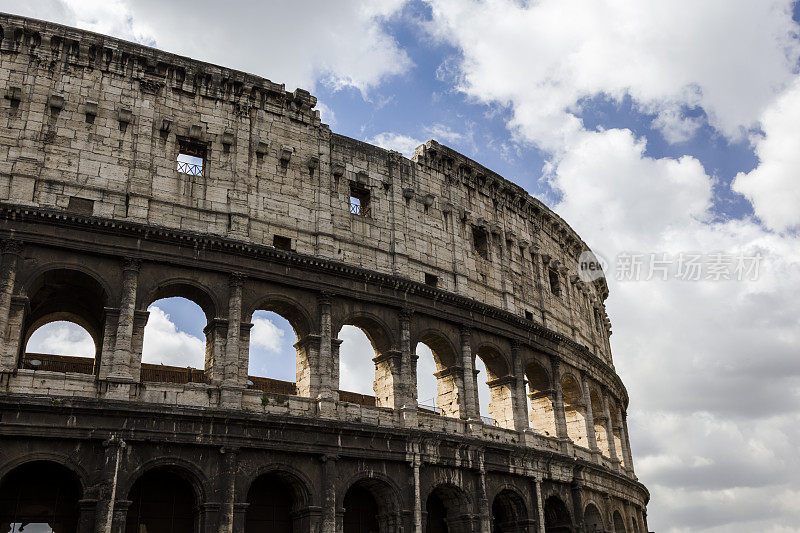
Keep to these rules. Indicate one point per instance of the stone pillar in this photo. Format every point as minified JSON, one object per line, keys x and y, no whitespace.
{"x":230,"y":464}
{"x":471,"y":411}
{"x":408,"y":371}
{"x":86,"y":516}
{"x":329,"y":515}
{"x":483,"y":501}
{"x":519,"y":396}
{"x":537,"y":488}
{"x":120,"y":515}
{"x":137,"y":343}
{"x":326,"y":365}
{"x":415,"y":464}
{"x":121,"y":365}
{"x":577,"y":503}
{"x":626,"y":441}
{"x":216,"y":332}
{"x":308,"y":366}
{"x":233,"y":378}
{"x":9,"y":359}
{"x":106,"y":503}
{"x":589,"y":416}
{"x":104,"y":361}
{"x":387,"y":387}
{"x":11,"y":251}
{"x":558,"y":400}
{"x":612,"y":446}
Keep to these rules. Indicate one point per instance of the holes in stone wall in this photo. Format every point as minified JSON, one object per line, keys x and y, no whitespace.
{"x":480,"y":242}
{"x":191,"y":158}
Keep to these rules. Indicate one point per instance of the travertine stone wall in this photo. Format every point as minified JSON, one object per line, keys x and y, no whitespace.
{"x":95,"y":124}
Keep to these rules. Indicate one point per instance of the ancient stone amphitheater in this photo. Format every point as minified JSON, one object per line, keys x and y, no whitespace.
{"x":129,"y":174}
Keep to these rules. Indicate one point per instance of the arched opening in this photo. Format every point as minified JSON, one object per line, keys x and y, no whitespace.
{"x":617,"y":431}
{"x":276,"y":362}
{"x":619,"y":523}
{"x":540,"y":394}
{"x":272,"y":505}
{"x":178,"y":338}
{"x":593,"y":520}
{"x":65,"y":306}
{"x":556,"y":516}
{"x":360,"y":511}
{"x":162,"y":501}
{"x":61,"y":346}
{"x":364,"y":363}
{"x":599,"y":417}
{"x":40,"y":496}
{"x":634,"y":525}
{"x":574,"y":411}
{"x":438,"y":382}
{"x":494,"y":388}
{"x":509,"y":513}
{"x":447,"y":511}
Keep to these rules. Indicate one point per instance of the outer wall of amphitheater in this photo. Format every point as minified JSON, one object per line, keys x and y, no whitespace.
{"x":100,"y":216}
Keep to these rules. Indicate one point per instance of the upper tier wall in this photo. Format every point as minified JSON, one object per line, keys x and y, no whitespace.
{"x":94,"y":124}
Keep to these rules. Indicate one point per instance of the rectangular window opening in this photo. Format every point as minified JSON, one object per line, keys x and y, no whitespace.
{"x":360,"y":200}
{"x":555,"y":286}
{"x":528,"y":315}
{"x":282,"y":243}
{"x":81,"y":206}
{"x":191,"y":158}
{"x":431,"y":280}
{"x":480,"y":240}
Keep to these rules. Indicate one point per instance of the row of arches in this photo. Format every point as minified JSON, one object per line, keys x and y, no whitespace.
{"x":45,"y":496}
{"x":174,"y":330}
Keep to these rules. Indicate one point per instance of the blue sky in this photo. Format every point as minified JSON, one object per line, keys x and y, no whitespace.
{"x":652,"y":127}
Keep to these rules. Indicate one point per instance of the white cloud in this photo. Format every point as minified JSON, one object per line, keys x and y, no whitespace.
{"x":356,"y":369}
{"x":61,"y":338}
{"x":774,"y":186}
{"x":396,"y":141}
{"x":296,"y":42}
{"x":265,"y":334}
{"x":326,"y":114}
{"x":711,"y":367}
{"x":165,"y":344}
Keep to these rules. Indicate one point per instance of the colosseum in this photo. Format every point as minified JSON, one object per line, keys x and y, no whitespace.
{"x":101,"y":214}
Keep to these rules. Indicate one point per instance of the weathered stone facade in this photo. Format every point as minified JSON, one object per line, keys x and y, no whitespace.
{"x":97,"y":221}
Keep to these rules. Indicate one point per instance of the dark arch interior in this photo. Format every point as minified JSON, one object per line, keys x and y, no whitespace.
{"x":270,"y":503}
{"x":571,"y":391}
{"x":447,"y":510}
{"x":163,"y":502}
{"x":40,"y":492}
{"x":508,"y":512}
{"x":71,"y":296}
{"x":190,"y":292}
{"x":592,"y":519}
{"x":436,"y":521}
{"x":619,"y":523}
{"x":556,"y":516}
{"x":538,"y":380}
{"x":360,"y":511}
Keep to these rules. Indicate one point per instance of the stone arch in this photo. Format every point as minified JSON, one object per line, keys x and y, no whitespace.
{"x":593,"y":519}
{"x":599,"y":418}
{"x":446,"y":361}
{"x":376,"y":329}
{"x":191,"y":290}
{"x":619,"y":523}
{"x":557,"y":518}
{"x":617,"y":431}
{"x":277,"y":498}
{"x":299,"y":318}
{"x":295,"y":478}
{"x":41,"y":492}
{"x":187,"y":470}
{"x":375,"y":501}
{"x":540,"y":393}
{"x":448,"y":509}
{"x":509,"y":512}
{"x":52,"y":457}
{"x":73,"y":294}
{"x":574,"y":409}
{"x":500,"y":383}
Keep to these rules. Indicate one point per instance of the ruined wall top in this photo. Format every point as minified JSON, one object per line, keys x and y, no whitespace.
{"x":97,"y":127}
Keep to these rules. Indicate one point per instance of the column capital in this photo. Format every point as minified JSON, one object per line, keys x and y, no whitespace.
{"x":130,"y":264}
{"x":11,"y":246}
{"x":236,"y":279}
{"x":324,"y":298}
{"x":405,"y":314}
{"x":465,"y":329}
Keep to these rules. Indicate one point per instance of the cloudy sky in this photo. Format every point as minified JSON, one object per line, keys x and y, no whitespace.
{"x":665,"y":133}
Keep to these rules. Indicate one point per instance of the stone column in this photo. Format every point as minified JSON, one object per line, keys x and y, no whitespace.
{"x":415,"y":465}
{"x":577,"y":503}
{"x":324,"y":369}
{"x":216,"y":332}
{"x":470,"y":386}
{"x":120,"y":515}
{"x":558,"y":400}
{"x":230,"y":466}
{"x":106,"y":503}
{"x":626,"y":441}
{"x":137,"y":343}
{"x":388,"y":389}
{"x":11,"y":251}
{"x":9,"y":360}
{"x":521,"y":418}
{"x":86,"y":516}
{"x":483,"y":500}
{"x":612,"y":445}
{"x":537,"y":487}
{"x":408,"y":371}
{"x":121,"y":365}
{"x":589,"y":416}
{"x":329,"y":517}
{"x":233,"y":378}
